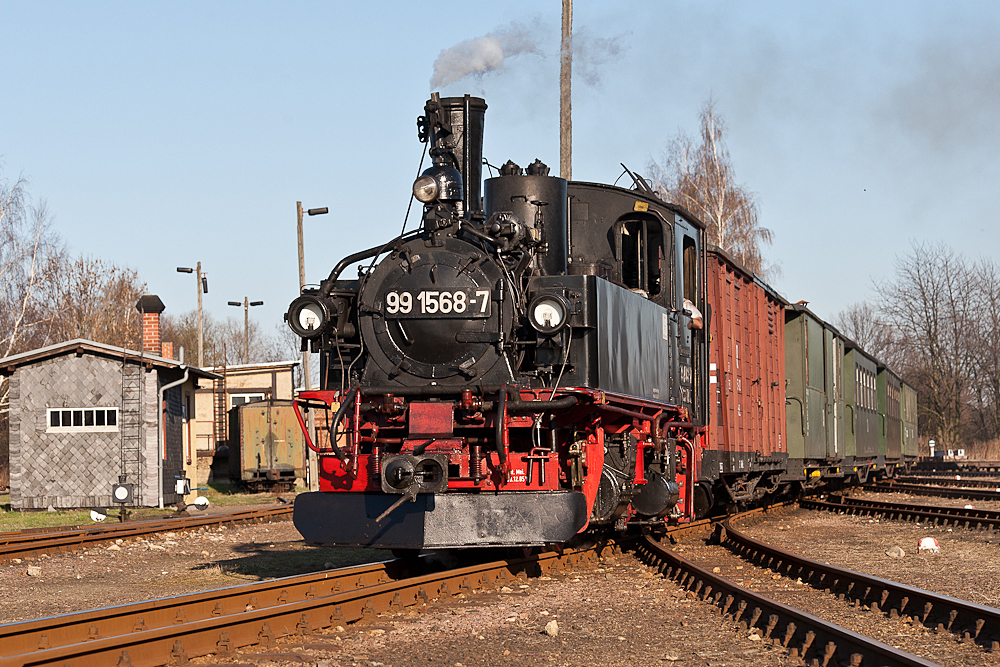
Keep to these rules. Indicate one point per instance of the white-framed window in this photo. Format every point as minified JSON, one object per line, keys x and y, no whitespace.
{"x":82,"y":420}
{"x":240,"y":399}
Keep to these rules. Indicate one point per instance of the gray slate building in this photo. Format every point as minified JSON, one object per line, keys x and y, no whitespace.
{"x":83,"y":416}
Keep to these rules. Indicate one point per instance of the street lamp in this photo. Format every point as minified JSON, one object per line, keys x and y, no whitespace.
{"x":306,"y":372}
{"x":246,"y":324}
{"x":202,"y":286}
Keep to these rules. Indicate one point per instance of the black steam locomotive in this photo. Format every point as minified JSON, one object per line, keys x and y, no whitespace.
{"x":534,"y":362}
{"x":518,"y":369}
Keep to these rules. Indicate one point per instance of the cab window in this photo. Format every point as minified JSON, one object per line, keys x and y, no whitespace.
{"x":641,"y":243}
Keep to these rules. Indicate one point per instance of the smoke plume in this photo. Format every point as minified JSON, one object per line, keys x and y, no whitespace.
{"x":591,"y":54}
{"x":482,"y":54}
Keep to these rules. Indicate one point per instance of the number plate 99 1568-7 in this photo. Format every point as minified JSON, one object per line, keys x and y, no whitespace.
{"x":464,"y":303}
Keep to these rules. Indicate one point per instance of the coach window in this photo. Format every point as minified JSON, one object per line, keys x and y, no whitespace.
{"x":642,"y":255}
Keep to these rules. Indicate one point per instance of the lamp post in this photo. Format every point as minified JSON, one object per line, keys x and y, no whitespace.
{"x":246,"y":324}
{"x":202,"y":286}
{"x":306,"y":370}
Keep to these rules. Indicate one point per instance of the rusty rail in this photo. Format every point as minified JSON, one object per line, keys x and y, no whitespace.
{"x":960,"y":517}
{"x":939,"y":491}
{"x":806,"y":637}
{"x":959,"y":480}
{"x":29,"y":544}
{"x":942,"y":613}
{"x":173,"y":630}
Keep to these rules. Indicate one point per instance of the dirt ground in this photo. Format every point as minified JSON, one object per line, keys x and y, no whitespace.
{"x":162,"y":565}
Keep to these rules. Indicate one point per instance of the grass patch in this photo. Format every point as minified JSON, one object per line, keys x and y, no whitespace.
{"x":224,"y":493}
{"x":34,"y":519}
{"x":221,"y":493}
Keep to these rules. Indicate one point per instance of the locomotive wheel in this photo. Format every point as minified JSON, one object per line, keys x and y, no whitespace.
{"x":704,"y":501}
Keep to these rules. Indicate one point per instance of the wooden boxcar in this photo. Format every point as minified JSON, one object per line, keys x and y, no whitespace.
{"x":746,"y":394}
{"x":266,"y":447}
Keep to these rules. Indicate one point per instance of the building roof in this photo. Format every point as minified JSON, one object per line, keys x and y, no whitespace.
{"x":250,"y":368}
{"x":84,"y":346}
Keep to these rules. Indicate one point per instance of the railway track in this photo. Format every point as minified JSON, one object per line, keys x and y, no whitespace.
{"x":941,"y":492}
{"x":976,"y":519}
{"x":173,"y":630}
{"x":952,"y":480}
{"x":808,"y":638}
{"x":34,"y":543}
{"x":968,"y":621}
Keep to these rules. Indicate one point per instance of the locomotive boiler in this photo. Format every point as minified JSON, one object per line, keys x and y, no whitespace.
{"x":517,"y":370}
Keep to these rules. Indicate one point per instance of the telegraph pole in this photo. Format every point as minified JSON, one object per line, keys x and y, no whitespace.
{"x":311,"y":468}
{"x":306,"y":371}
{"x":202,"y":287}
{"x":565,"y":105}
{"x":246,"y":324}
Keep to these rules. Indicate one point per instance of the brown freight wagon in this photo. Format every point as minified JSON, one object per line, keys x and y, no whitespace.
{"x":746,"y":449}
{"x":266,"y":447}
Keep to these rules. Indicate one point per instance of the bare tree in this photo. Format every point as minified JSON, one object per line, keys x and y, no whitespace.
{"x":225,"y":340}
{"x":97,"y":302}
{"x":865,"y":324}
{"x":931,"y":303}
{"x":699,"y":175}
{"x":985,"y":315}
{"x":30,"y":257}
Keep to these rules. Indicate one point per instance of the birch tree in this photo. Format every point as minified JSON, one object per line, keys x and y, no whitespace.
{"x":30,"y":256}
{"x":698,"y":174}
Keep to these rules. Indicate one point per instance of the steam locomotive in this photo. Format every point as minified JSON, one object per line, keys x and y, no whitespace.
{"x":532,"y":362}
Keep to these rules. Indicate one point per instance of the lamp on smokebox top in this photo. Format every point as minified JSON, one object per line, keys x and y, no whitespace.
{"x":246,"y":324}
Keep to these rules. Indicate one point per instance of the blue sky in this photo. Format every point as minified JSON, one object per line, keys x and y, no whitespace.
{"x":161,"y":134}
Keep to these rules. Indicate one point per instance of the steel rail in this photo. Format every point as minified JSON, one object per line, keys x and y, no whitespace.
{"x":805,"y":636}
{"x":951,"y":480}
{"x":67,"y":629}
{"x":63,"y":540}
{"x":225,"y":628}
{"x":968,"y":620}
{"x":978,"y":471}
{"x":941,"y":492}
{"x":974,"y":519}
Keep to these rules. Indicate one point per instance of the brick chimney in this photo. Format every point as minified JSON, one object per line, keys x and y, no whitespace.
{"x":167,"y":350}
{"x":150,"y":306}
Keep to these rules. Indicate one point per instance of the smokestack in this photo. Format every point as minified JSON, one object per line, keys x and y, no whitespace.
{"x":456,"y":123}
{"x":150,"y":306}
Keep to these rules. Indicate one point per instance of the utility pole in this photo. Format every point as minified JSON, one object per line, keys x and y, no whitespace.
{"x":565,"y":105}
{"x":311,"y":470}
{"x":246,"y":324}
{"x":306,"y":371}
{"x":202,"y":287}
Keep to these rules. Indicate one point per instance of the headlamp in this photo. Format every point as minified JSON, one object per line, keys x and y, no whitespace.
{"x":308,"y":316}
{"x":426,"y":189}
{"x":548,"y":313}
